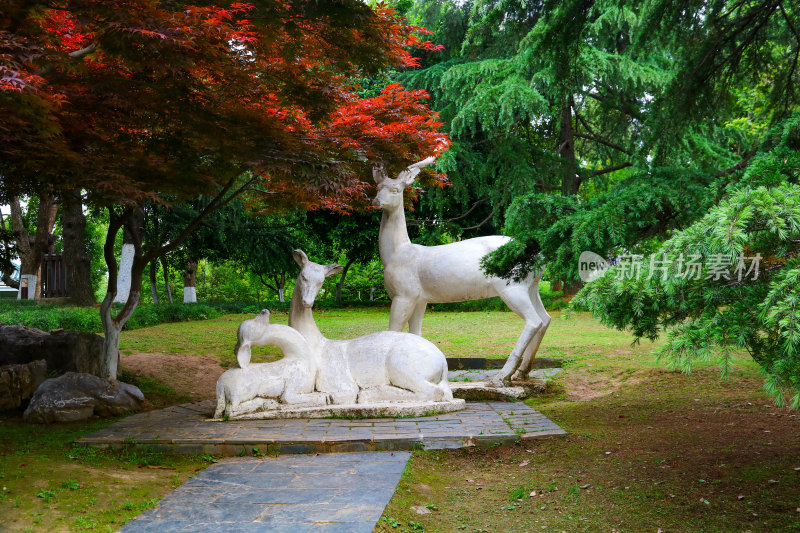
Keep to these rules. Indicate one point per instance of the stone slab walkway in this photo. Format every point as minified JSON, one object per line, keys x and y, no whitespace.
{"x":331,"y":493}
{"x":187,"y":429}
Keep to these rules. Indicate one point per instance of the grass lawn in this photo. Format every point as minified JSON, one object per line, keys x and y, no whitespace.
{"x":647,"y":448}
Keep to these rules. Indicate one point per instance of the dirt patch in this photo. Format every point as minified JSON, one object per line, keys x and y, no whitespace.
{"x":190,"y":375}
{"x":583,"y":386}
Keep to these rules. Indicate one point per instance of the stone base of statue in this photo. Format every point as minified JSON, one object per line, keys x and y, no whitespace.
{"x":356,"y":410}
{"x":485,"y":391}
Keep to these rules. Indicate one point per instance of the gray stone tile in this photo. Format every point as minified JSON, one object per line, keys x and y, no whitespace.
{"x":247,"y":527}
{"x":311,"y":513}
{"x":157,"y":526}
{"x":282,"y":495}
{"x":335,"y":481}
{"x":351,"y":527}
{"x":208,"y":512}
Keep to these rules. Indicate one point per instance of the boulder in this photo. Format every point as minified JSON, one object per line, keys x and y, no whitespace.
{"x":76,"y":396}
{"x":19,"y":382}
{"x":64,"y":351}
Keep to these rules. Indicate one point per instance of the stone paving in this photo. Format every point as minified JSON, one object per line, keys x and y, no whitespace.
{"x":187,"y":429}
{"x":341,"y":493}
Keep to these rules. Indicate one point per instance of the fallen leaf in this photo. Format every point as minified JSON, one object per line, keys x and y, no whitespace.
{"x":773,"y":481}
{"x":584,"y":487}
{"x":420,"y":509}
{"x":523,"y":463}
{"x":608,"y":453}
{"x":740,"y":497}
{"x":534,"y":494}
{"x":470,"y":481}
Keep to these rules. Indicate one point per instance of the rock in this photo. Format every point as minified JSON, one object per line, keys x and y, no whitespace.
{"x":76,"y":396}
{"x":19,"y":382}
{"x":64,"y":351}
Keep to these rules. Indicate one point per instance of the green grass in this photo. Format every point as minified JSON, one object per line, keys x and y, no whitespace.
{"x":465,"y":334}
{"x":665,"y":431}
{"x":47,"y":484}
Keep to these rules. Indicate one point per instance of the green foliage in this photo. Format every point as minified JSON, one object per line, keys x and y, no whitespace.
{"x":709,"y":317}
{"x":48,"y":318}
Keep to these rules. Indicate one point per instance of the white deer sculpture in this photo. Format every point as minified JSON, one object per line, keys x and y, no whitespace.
{"x":380,"y":367}
{"x":415,"y":275}
{"x":265,"y":386}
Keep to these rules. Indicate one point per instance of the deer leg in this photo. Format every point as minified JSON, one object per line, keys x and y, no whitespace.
{"x":400,"y":313}
{"x":415,"y":322}
{"x":517,"y":299}
{"x":530,"y":352}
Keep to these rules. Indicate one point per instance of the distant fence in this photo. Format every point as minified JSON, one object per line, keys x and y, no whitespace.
{"x":54,"y":277}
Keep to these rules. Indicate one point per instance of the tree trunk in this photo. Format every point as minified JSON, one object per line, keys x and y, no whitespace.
{"x":570,"y":183}
{"x":165,"y":268}
{"x":76,"y":260}
{"x":125,"y":267}
{"x":190,"y":283}
{"x":153,"y":284}
{"x":7,"y":253}
{"x":31,"y":251}
{"x":112,"y":326}
{"x":340,"y":285}
{"x":280,"y":283}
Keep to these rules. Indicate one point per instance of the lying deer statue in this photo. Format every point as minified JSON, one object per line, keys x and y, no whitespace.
{"x":265,"y":386}
{"x":415,"y":275}
{"x":383,"y":366}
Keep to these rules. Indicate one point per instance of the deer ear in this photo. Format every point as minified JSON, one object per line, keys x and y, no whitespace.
{"x":331,"y":270}
{"x":300,"y":258}
{"x":408,"y":176}
{"x":379,"y":174}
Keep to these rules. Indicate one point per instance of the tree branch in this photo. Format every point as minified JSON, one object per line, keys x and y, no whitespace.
{"x":481,"y":223}
{"x":610,"y":169}
{"x":738,"y":166}
{"x":79,"y":54}
{"x":604,"y":142}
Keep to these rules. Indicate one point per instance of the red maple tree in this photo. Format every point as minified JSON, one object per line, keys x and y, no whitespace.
{"x":139,"y":99}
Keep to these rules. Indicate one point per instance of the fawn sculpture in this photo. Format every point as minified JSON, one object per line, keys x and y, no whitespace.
{"x":266,"y":386}
{"x":415,"y":275}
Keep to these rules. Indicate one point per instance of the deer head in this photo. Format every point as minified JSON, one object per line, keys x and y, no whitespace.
{"x":311,"y":277}
{"x":390,"y":191}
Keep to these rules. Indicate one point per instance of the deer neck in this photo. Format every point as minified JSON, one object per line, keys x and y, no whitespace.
{"x":292,"y":344}
{"x":302,"y":319}
{"x":393,"y":234}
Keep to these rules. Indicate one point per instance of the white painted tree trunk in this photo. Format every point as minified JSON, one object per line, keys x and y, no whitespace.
{"x":190,"y":295}
{"x":124,"y":277}
{"x":281,"y":295}
{"x":30,"y":284}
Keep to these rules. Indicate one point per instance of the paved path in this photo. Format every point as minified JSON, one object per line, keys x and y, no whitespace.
{"x":341,"y":493}
{"x":187,"y":429}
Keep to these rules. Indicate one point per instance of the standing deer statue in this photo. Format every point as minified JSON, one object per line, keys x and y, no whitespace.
{"x":380,"y":367}
{"x":415,"y":275}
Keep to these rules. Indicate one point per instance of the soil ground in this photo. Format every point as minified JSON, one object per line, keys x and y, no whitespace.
{"x":648,"y":449}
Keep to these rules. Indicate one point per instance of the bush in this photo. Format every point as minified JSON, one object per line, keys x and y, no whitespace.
{"x":48,"y":317}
